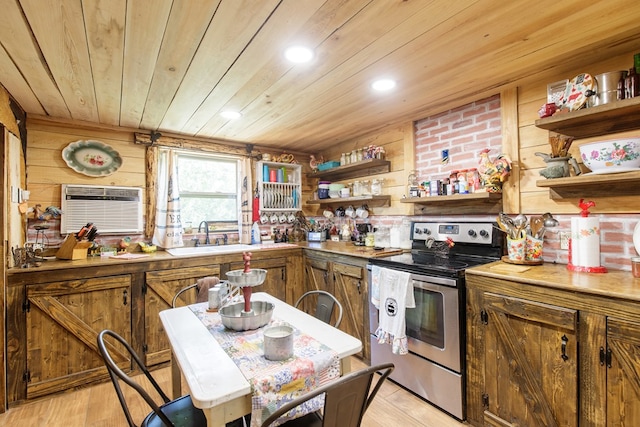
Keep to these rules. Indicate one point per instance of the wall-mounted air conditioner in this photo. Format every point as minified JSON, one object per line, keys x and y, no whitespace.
{"x":113,"y":210}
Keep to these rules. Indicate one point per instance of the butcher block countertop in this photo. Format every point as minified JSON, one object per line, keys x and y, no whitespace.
{"x":260,"y":251}
{"x":613,"y":284}
{"x":348,"y":248}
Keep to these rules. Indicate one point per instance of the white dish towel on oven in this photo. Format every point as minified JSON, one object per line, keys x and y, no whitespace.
{"x":392,"y":293}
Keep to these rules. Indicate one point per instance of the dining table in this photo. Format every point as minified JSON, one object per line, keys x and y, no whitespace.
{"x":215,"y":382}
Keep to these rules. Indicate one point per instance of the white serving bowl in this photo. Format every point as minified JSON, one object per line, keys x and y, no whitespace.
{"x":616,"y":155}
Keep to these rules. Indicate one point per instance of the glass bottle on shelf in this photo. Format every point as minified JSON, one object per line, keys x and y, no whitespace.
{"x":343,"y":159}
{"x":354,"y":156}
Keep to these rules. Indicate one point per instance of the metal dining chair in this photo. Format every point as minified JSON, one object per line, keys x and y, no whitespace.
{"x":345,"y":400}
{"x":180,"y":292}
{"x":178,"y":412}
{"x":325,"y":305}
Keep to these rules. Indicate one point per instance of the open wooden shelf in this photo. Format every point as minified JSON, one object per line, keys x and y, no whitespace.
{"x":474,"y":203}
{"x":371,"y":201}
{"x":592,"y":185}
{"x":353,"y":170}
{"x":618,"y":116}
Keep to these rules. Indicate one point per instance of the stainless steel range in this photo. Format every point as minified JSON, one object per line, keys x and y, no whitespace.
{"x":434,"y":369}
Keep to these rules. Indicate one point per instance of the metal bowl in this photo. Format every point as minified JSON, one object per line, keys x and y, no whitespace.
{"x":239,"y":278}
{"x":233,"y":317}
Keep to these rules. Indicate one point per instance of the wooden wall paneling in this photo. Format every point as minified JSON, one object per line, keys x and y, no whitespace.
{"x":46,"y":169}
{"x":532,"y":139}
{"x":399,"y":144}
{"x":15,"y":177}
{"x":510,"y":146}
{"x":6,"y":261}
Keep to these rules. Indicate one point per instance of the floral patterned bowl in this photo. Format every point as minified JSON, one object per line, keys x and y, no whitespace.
{"x":617,"y":155}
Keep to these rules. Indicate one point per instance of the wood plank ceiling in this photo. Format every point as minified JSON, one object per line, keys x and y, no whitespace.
{"x":174,"y":65}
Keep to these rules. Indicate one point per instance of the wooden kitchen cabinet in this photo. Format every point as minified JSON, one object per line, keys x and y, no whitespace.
{"x":346,"y":279}
{"x":526,"y":358}
{"x":539,"y":355}
{"x":52,"y":326}
{"x":60,"y":322}
{"x":275,"y":282}
{"x":159,"y":290}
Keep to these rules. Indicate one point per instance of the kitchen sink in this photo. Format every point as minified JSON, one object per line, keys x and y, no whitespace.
{"x":204,"y":250}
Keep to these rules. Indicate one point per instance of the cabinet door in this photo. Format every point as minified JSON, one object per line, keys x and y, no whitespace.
{"x":351,"y":290}
{"x":623,"y":375}
{"x":63,"y":322}
{"x":528,"y":362}
{"x":160,"y":288}
{"x":317,"y":275}
{"x":275,"y":281}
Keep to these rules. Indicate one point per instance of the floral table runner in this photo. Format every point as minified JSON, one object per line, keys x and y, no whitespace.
{"x":275,"y":383}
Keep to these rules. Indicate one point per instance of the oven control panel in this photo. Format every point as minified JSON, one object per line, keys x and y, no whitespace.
{"x":463,"y":232}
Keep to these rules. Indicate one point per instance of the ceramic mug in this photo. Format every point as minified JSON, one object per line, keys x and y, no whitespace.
{"x":350,"y":212}
{"x":283,"y":218}
{"x":291,"y":218}
{"x":273,"y":218}
{"x":264,"y":218}
{"x":362,"y":212}
{"x":328,"y":213}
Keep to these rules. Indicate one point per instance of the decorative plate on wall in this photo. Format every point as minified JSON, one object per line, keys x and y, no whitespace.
{"x":92,"y":158}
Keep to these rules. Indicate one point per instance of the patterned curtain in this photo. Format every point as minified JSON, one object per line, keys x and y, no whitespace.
{"x":246,"y":200}
{"x":168,"y":229}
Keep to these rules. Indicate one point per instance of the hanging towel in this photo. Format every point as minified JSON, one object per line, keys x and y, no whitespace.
{"x":395,"y":296}
{"x":203,"y":285}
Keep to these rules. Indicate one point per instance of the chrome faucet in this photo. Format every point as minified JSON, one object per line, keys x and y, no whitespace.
{"x":206,"y":230}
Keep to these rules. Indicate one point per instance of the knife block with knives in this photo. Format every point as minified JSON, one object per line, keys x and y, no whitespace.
{"x":71,"y":248}
{"x":76,"y":246}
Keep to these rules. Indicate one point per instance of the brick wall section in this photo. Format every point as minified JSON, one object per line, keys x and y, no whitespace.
{"x":464,"y":131}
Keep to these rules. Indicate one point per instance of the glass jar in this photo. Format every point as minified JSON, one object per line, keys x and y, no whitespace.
{"x":383,"y":237}
{"x":354,"y":156}
{"x":343,"y":159}
{"x":370,"y":240}
{"x":366,"y":188}
{"x":359,"y":155}
{"x":357,"y":189}
{"x":376,"y":187}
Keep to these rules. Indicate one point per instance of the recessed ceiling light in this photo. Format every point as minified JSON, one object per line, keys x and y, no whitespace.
{"x":231,"y":115}
{"x":298,"y":54}
{"x":383,"y":85}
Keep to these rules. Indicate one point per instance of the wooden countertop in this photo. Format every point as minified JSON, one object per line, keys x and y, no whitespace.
{"x":613,"y":284}
{"x":342,"y":248}
{"x":348,"y":248}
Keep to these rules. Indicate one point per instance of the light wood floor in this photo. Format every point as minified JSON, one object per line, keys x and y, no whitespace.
{"x":98,"y":406}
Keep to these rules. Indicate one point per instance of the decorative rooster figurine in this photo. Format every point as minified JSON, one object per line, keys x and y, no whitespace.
{"x":494,"y":172}
{"x":315,"y":162}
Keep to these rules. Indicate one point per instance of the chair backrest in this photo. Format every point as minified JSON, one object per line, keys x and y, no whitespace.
{"x":108,"y":350}
{"x":346,"y":399}
{"x":180,"y":292}
{"x":325,"y":305}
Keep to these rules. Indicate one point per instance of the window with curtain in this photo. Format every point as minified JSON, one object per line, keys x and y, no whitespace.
{"x":209,"y":189}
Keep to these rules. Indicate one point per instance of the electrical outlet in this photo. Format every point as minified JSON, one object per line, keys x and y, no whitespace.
{"x":564,"y":239}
